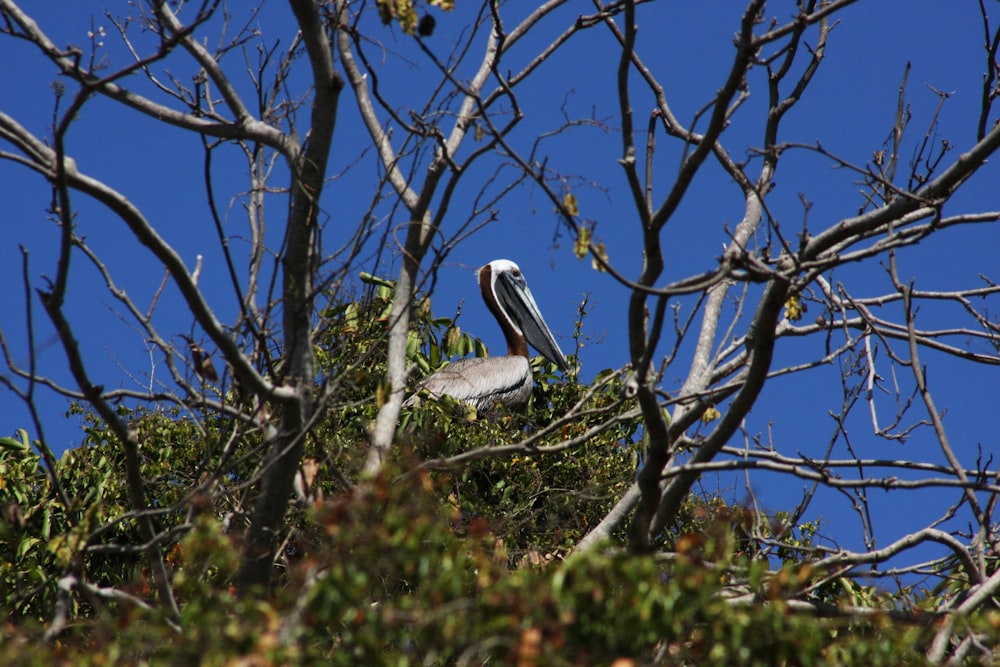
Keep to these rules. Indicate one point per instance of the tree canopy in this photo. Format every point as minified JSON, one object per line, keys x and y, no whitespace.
{"x":770,"y":447}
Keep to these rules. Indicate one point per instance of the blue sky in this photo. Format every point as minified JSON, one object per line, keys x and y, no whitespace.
{"x":849,"y":108}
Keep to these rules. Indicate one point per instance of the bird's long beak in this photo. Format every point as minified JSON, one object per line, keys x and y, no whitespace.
{"x":516,"y":299}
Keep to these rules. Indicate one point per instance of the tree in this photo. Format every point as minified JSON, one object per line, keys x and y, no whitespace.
{"x":302,"y":358}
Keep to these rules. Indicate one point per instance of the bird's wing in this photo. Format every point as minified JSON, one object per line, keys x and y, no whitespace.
{"x":483,"y":381}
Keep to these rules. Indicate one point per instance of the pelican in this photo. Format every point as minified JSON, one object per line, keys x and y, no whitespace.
{"x":486,"y":381}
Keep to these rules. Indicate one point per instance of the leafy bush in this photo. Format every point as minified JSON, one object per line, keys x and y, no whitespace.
{"x":386,"y":578}
{"x":438,"y":560}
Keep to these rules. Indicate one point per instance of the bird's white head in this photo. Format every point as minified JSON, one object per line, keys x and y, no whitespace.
{"x":506,"y":293}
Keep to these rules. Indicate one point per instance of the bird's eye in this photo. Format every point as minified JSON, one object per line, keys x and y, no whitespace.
{"x":516,"y":272}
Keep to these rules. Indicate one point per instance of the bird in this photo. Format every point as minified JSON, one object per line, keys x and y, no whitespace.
{"x":201,"y":361}
{"x":485,"y":382}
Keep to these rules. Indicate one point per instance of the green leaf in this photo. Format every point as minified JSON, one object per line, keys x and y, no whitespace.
{"x":19,"y":444}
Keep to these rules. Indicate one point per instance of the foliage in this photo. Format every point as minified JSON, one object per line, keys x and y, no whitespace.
{"x":434,"y":565}
{"x":82,"y":523}
{"x":389,"y":577}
